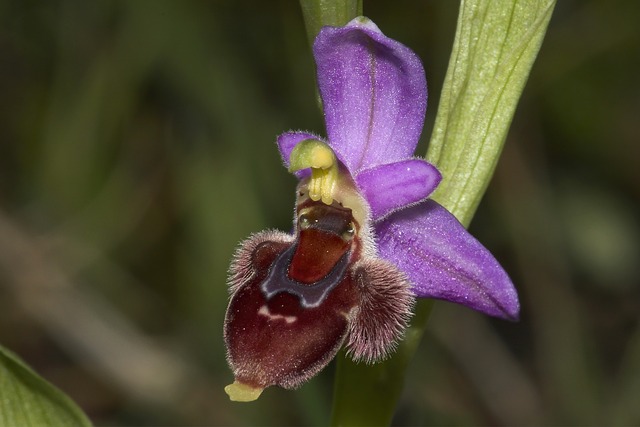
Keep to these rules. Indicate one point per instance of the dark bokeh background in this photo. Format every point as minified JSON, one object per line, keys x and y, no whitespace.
{"x":137,"y":149}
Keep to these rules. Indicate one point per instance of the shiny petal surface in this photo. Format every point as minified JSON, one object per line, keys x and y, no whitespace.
{"x":444,"y":261}
{"x":374,"y":94}
{"x":274,"y":339}
{"x":390,"y":187}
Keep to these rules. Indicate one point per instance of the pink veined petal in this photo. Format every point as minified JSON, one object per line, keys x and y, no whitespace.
{"x":444,"y":261}
{"x":390,"y":187}
{"x":374,"y":94}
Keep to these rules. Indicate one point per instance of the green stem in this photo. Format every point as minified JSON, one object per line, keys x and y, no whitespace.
{"x":318,"y":13}
{"x":366,"y":395}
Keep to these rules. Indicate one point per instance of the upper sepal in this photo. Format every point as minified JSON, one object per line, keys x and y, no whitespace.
{"x":444,"y":261}
{"x":374,"y":94}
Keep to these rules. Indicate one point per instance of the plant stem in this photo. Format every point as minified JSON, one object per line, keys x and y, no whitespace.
{"x":318,"y":13}
{"x":366,"y":395}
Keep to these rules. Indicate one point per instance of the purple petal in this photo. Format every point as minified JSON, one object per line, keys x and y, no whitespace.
{"x":287,"y":141}
{"x":444,"y":261}
{"x":395,"y":185}
{"x":374,"y":94}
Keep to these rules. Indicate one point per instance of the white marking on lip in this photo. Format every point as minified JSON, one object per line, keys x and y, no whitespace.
{"x":264,"y":311}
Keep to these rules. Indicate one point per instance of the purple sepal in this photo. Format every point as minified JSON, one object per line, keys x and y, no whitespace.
{"x":374,"y":94}
{"x":395,"y":185}
{"x":444,"y":261}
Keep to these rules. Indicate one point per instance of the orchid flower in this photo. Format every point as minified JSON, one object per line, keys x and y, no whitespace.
{"x":366,"y":239}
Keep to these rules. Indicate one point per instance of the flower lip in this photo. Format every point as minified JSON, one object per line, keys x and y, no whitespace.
{"x":276,"y":340}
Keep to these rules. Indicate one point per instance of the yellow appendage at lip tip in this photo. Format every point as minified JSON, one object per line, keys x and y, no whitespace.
{"x":240,"y":392}
{"x":318,"y":156}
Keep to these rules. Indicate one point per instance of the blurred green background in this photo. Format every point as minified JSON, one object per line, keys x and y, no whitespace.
{"x":137,"y":150}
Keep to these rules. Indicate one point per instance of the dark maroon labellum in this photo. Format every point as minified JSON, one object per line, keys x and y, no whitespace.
{"x":297,"y":299}
{"x":291,"y":317}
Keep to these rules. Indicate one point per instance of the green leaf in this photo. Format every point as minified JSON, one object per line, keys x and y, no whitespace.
{"x":494,"y":49}
{"x":28,"y":400}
